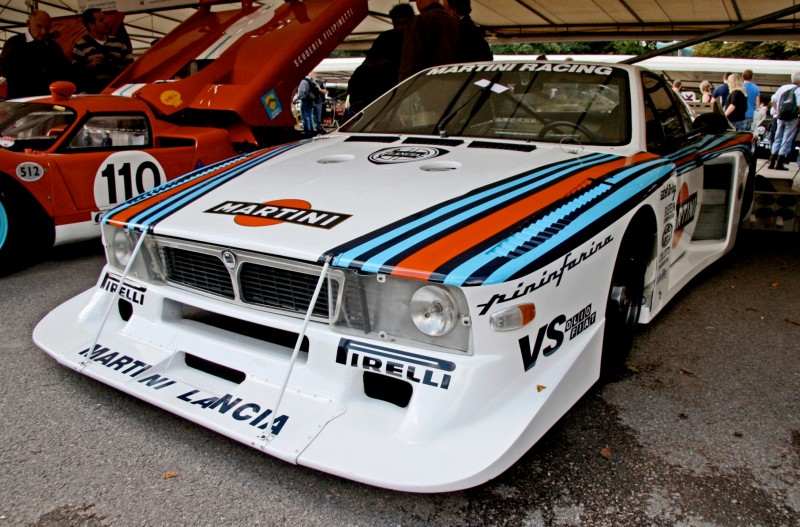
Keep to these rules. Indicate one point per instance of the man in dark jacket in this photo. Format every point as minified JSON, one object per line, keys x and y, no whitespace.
{"x":31,"y":61}
{"x":379,"y":71}
{"x":433,"y":37}
{"x":474,"y":47}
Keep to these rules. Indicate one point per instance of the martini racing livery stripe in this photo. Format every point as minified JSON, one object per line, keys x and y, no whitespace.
{"x":145,"y":210}
{"x":459,"y":228}
{"x":514,"y":257}
{"x":373,"y":251}
{"x":729,"y":143}
{"x":688,"y":158}
{"x":592,"y":210}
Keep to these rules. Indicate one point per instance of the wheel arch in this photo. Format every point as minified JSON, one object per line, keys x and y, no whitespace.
{"x":626,"y":293}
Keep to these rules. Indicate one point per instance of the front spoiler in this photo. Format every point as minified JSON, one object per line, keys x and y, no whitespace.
{"x":453,"y":440}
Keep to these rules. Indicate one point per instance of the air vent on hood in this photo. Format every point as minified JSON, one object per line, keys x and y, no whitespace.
{"x":433,"y":141}
{"x":502,"y":146}
{"x":372,"y":139}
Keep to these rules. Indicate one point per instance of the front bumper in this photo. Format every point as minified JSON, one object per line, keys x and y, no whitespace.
{"x":468,"y":419}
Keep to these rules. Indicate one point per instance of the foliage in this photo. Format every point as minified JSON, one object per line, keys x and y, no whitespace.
{"x":622,"y":47}
{"x":771,"y":50}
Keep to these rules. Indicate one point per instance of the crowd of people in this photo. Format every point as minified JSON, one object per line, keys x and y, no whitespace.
{"x":32,"y":60}
{"x":439,"y":34}
{"x":740,"y":99}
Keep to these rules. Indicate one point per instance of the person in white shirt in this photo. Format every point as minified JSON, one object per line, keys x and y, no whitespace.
{"x":783,"y":140}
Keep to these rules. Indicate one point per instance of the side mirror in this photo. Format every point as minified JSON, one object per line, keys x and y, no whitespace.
{"x":711,"y":123}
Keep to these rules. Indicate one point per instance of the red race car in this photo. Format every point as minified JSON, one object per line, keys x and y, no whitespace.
{"x":219,"y":85}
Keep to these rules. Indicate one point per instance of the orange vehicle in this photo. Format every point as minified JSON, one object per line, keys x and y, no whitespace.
{"x":219,"y":85}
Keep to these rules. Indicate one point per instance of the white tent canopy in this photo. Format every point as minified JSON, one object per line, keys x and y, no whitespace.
{"x":504,"y":20}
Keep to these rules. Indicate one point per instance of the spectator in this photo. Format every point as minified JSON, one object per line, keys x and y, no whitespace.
{"x":705,"y":91}
{"x":783,"y":140}
{"x":720,"y":93}
{"x":688,"y":96}
{"x":31,"y":61}
{"x":432,"y":38}
{"x":319,"y":104}
{"x":474,"y":47}
{"x":307,"y":94}
{"x":99,"y":56}
{"x":379,"y":71}
{"x":736,"y":105}
{"x":753,"y":97}
{"x":388,"y":47}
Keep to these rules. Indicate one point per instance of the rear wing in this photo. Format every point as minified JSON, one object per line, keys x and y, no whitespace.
{"x":247,"y":61}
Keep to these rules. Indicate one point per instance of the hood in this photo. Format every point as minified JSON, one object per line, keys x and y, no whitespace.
{"x":368,"y":201}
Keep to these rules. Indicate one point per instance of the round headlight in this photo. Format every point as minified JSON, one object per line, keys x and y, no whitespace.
{"x":434,"y":310}
{"x":122,"y":247}
{"x":761,"y":130}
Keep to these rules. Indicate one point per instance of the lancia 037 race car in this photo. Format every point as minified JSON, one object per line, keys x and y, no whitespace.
{"x":214,"y":87}
{"x":413,"y":301}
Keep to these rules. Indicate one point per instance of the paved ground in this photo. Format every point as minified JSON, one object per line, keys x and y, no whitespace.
{"x":702,"y":429}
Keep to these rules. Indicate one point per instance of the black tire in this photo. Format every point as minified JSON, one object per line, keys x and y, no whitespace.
{"x":625,"y":298}
{"x":26,"y":232}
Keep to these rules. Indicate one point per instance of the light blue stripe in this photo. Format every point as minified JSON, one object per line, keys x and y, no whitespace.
{"x":140,"y":223}
{"x":169,"y":206}
{"x":613,"y":201}
{"x":347,"y":258}
{"x":170,"y":184}
{"x":463,"y":272}
{"x":376,"y":262}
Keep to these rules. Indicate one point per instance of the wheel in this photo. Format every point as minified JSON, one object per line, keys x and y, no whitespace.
{"x":625,"y":298}
{"x":569,"y":125}
{"x":25,"y":230}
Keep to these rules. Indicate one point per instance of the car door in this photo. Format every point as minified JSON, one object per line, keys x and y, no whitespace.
{"x":667,"y":129}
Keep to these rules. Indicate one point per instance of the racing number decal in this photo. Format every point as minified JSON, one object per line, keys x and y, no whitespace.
{"x":124,"y":175}
{"x":30,"y":172}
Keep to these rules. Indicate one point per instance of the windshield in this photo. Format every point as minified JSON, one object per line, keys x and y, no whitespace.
{"x":32,"y":125}
{"x":546,"y":102}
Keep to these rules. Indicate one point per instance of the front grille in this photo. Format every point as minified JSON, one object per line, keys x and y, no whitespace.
{"x":282,"y":289}
{"x":205,"y":272}
{"x":262,"y":281}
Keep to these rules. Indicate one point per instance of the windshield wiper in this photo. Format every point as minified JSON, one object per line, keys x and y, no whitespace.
{"x":486,"y":87}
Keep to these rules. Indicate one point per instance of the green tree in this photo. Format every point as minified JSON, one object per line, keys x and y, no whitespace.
{"x":620,"y":47}
{"x":770,"y":50}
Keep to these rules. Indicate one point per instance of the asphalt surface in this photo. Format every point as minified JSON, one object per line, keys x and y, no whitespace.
{"x":701,"y":429}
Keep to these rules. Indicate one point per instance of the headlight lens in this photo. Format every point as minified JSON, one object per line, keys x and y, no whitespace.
{"x":122,"y":245}
{"x":433,"y":310}
{"x":761,"y":130}
{"x":393,"y":309}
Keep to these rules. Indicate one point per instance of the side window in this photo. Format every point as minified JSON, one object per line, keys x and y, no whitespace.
{"x":112,"y":131}
{"x":666,"y":119}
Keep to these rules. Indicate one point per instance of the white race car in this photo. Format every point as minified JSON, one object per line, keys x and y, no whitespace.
{"x":413,"y":301}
